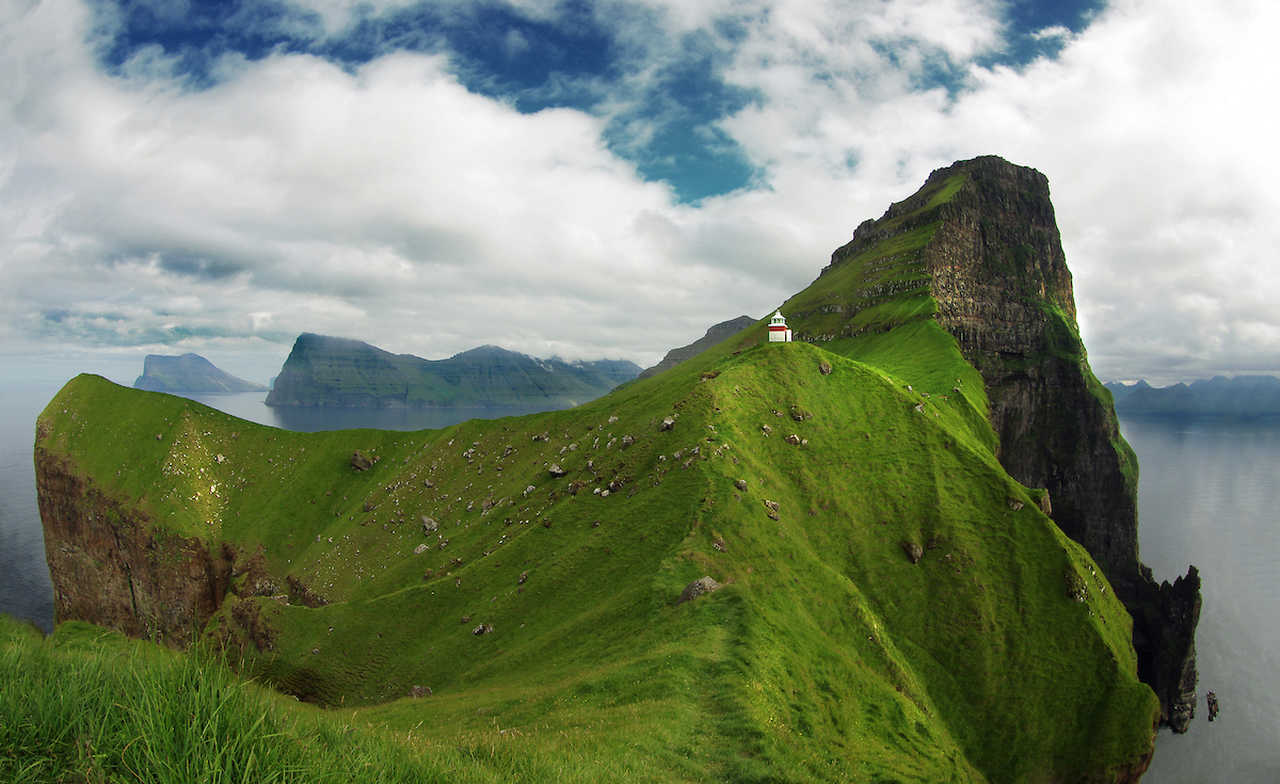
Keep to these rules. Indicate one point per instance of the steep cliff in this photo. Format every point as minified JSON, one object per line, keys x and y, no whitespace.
{"x":891,"y":602}
{"x":339,"y":372}
{"x":977,"y":251}
{"x":189,"y":374}
{"x":117,"y":569}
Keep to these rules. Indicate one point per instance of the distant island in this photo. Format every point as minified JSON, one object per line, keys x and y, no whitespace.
{"x":189,"y":374}
{"x":333,"y":372}
{"x":718,"y":332}
{"x":1242,"y":396}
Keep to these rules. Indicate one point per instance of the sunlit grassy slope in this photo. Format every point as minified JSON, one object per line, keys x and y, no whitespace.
{"x":827,"y":655}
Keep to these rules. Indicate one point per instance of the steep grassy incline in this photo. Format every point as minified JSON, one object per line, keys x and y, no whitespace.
{"x":962,"y":290}
{"x":894,"y":606}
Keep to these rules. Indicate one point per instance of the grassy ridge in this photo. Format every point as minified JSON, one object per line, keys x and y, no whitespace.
{"x":828,"y":655}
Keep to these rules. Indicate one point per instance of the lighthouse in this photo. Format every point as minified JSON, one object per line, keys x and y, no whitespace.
{"x":779,"y":332}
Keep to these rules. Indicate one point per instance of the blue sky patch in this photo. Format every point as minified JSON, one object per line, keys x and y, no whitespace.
{"x":666,"y":126}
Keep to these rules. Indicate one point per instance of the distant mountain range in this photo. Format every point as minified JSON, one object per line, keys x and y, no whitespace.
{"x":324,"y":371}
{"x":1242,"y":396}
{"x":189,"y":374}
{"x":715,"y":334}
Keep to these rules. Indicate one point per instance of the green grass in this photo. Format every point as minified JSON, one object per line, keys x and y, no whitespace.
{"x":87,"y":705}
{"x":827,"y":656}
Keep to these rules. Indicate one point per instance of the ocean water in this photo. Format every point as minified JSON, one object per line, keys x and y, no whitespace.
{"x":1208,"y":495}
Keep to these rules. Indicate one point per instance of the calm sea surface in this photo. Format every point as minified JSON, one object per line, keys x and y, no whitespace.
{"x":1207,"y":495}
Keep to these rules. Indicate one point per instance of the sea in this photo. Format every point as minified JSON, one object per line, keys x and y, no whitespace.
{"x":1208,"y":494}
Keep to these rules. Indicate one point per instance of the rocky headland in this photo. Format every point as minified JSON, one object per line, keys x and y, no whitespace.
{"x":980,"y":241}
{"x":189,"y":374}
{"x":901,"y":548}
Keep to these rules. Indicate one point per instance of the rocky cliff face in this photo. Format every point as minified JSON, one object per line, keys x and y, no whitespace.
{"x":112,"y":567}
{"x":988,"y":252}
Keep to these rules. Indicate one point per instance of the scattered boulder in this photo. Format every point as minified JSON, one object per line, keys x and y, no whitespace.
{"x":1042,"y":501}
{"x":523,"y":577}
{"x":766,"y":429}
{"x":427,"y":483}
{"x":429,"y":525}
{"x":420,"y":691}
{"x":718,"y":545}
{"x":529,"y":489}
{"x":792,"y":439}
{"x":914,"y":551}
{"x":1077,"y":588}
{"x":667,"y":423}
{"x":824,"y":367}
{"x":697,"y":588}
{"x":420,"y":549}
{"x":799,"y":414}
{"x":741,"y":484}
{"x":483,"y":628}
{"x":556,"y":471}
{"x":360,"y":462}
{"x":1014,"y":504}
{"x":627,"y":441}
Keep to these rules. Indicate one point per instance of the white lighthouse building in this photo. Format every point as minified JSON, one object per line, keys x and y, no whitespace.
{"x":779,"y":332}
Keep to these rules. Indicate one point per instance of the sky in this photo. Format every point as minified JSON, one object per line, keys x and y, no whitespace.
{"x":609,"y":179}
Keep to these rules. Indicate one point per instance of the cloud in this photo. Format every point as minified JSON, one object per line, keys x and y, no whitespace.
{"x":396,"y":201}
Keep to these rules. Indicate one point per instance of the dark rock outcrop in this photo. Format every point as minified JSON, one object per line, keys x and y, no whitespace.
{"x":697,"y":588}
{"x":112,"y":567}
{"x":189,"y":374}
{"x":992,"y":261}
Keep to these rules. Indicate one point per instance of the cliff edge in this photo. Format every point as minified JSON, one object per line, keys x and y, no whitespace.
{"x":977,"y":251}
{"x":189,"y":374}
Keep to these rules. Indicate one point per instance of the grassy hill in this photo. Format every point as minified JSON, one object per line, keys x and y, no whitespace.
{"x":827,"y":655}
{"x":503,"y":598}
